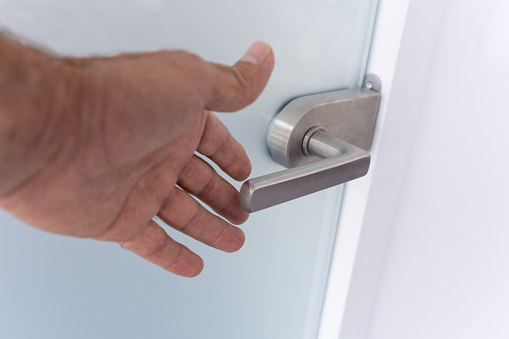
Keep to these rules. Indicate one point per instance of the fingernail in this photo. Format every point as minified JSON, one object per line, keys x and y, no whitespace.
{"x":257,"y":53}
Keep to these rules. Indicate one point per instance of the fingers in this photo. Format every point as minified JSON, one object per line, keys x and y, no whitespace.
{"x":154,"y":245}
{"x":233,"y":88}
{"x":185,"y":214}
{"x":218,"y":144}
{"x":202,"y":181}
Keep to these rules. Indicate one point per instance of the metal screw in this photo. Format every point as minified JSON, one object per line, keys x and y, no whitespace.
{"x":369,"y":85}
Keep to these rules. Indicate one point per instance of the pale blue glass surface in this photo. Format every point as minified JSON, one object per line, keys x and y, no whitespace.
{"x":58,"y":287}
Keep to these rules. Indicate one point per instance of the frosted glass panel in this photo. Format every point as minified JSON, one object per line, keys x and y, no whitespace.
{"x":57,"y":287}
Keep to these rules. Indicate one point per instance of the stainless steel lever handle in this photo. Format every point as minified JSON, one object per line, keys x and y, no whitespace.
{"x":320,"y":159}
{"x":348,"y":162}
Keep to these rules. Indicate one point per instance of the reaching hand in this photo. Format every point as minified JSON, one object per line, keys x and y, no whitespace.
{"x":121,"y":146}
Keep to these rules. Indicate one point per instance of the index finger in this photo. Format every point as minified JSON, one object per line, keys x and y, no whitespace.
{"x":221,"y":147}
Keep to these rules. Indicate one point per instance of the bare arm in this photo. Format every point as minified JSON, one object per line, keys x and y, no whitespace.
{"x":96,"y":147}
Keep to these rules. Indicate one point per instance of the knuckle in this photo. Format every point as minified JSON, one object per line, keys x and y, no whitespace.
{"x":174,"y":260}
{"x":191,"y":220}
{"x":216,"y":240}
{"x":246,"y":84}
{"x":155,"y":250}
{"x":207,"y":188}
{"x":190,"y":60}
{"x":181,"y":58}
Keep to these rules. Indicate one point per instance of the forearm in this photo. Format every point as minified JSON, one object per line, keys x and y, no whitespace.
{"x":34,"y":94}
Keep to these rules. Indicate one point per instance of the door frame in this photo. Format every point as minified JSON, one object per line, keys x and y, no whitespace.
{"x":369,"y":203}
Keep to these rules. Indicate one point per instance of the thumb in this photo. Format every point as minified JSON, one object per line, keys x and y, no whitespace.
{"x":233,"y":88}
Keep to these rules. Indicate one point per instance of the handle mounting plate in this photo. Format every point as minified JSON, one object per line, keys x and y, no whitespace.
{"x":349,"y":115}
{"x":324,"y":138}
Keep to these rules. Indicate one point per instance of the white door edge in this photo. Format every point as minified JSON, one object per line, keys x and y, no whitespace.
{"x":388,"y":32}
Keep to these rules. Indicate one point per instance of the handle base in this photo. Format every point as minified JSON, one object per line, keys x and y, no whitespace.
{"x":323,"y":138}
{"x":349,"y":115}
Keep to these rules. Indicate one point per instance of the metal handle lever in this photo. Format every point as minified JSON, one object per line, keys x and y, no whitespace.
{"x":319,"y":159}
{"x":341,"y":162}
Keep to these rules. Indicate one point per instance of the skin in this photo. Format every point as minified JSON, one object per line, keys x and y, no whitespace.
{"x":96,"y":147}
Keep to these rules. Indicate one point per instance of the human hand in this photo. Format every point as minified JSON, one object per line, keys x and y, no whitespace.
{"x":120,"y":150}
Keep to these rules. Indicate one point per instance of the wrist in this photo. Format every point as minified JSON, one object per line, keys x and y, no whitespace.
{"x":35,"y":113}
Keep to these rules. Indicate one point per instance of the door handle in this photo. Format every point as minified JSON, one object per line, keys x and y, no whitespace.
{"x":323,"y":138}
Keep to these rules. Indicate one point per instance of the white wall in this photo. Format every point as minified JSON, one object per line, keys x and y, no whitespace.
{"x":433,"y":259}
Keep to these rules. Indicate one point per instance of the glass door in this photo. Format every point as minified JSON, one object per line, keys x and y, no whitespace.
{"x":58,"y":287}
